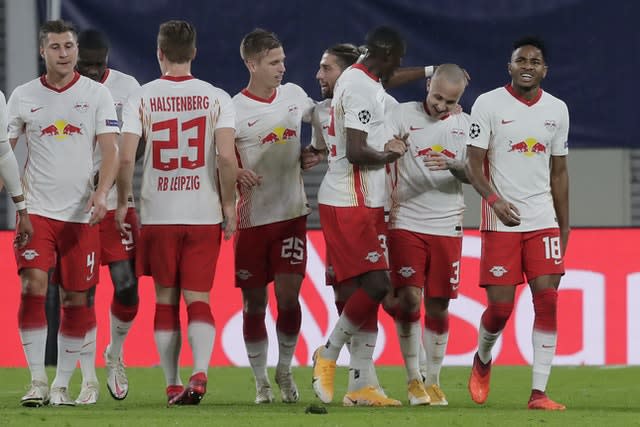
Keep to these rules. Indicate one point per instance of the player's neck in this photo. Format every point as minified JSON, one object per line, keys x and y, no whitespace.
{"x":177,"y":70}
{"x":260,"y":90}
{"x":527,"y":93}
{"x":58,"y":80}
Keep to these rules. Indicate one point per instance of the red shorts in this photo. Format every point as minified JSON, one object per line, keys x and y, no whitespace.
{"x":425,"y":261}
{"x":262,"y":252}
{"x":356,"y":239}
{"x":182,"y":256}
{"x":74,"y":248}
{"x":113,"y":245}
{"x":507,"y":256}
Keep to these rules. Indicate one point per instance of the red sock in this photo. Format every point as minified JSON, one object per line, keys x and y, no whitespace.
{"x":74,"y":321}
{"x":31,"y":314}
{"x":405,"y":317}
{"x":289,"y":321}
{"x":438,"y":325}
{"x":496,"y":315}
{"x":359,"y":307}
{"x":167,"y":317}
{"x":253,"y":327}
{"x":200,"y":311}
{"x":124,"y":313}
{"x":545,"y":304}
{"x":371,"y":323}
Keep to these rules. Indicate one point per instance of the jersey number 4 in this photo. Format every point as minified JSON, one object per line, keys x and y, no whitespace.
{"x":172,"y":125}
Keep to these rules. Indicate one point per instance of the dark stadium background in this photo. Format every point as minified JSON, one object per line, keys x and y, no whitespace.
{"x":593,"y":45}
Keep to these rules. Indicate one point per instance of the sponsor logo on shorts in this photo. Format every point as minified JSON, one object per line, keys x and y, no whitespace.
{"x":373,"y":257}
{"x":406,"y":272}
{"x":557,"y":261}
{"x":30,"y":254}
{"x":498,"y":270}
{"x":243,"y":274}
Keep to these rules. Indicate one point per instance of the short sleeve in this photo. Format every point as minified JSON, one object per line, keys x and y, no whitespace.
{"x":480,"y":128}
{"x":560,"y":141}
{"x":227,"y":114}
{"x":106,"y":116}
{"x":131,"y":119}
{"x":15,"y":124}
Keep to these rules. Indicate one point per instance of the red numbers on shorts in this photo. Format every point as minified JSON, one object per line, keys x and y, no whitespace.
{"x":293,"y":248}
{"x":552,"y":248}
{"x":173,"y":143}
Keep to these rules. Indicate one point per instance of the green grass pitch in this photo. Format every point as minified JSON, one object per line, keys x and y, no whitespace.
{"x":594,"y":397}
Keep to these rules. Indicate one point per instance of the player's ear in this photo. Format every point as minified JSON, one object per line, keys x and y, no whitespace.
{"x":544,"y":71}
{"x":193,"y":56}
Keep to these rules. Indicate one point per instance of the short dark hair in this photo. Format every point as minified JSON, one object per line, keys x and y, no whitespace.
{"x":382,"y":41}
{"x":258,"y":41}
{"x":57,"y":27}
{"x":177,"y":40}
{"x":534,"y":41}
{"x":346,"y":54}
{"x":93,"y":39}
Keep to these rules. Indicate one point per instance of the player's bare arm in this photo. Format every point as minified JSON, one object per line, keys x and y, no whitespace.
{"x":10,"y":174}
{"x":359,"y":153}
{"x":108,"y":169}
{"x":128,"y":147}
{"x":560,"y":194}
{"x":506,"y":212}
{"x":228,"y":169}
{"x":437,"y":161}
{"x":311,"y":157}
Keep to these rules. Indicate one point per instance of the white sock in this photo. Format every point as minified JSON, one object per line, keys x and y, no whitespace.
{"x":119,"y":331}
{"x":486,"y":340}
{"x":168,"y":344}
{"x":34,"y":343}
{"x":544,"y":348}
{"x":409,"y":338}
{"x":340,"y":335}
{"x":361,"y":369}
{"x":422,"y":359}
{"x":201,"y":338}
{"x":68,"y":354}
{"x":257,"y":352}
{"x":88,"y":357}
{"x":435,"y":346}
{"x":286,"y":348}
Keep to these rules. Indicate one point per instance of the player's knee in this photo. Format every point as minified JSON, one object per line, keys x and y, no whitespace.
{"x":377,"y":289}
{"x":127,"y":295}
{"x":409,"y":299}
{"x":34,"y":282}
{"x":125,"y":282}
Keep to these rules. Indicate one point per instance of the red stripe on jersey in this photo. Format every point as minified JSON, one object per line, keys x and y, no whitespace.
{"x":488,"y":217}
{"x":526,"y":102}
{"x":43,"y":80}
{"x":105,"y":76}
{"x":358,"y":186}
{"x":244,"y":202}
{"x":363,"y":68}
{"x":249,"y":95}
{"x":177,"y":78}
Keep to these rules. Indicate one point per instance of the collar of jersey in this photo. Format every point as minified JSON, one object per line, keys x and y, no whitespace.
{"x":268,"y":100}
{"x":43,"y":80}
{"x":364,"y":69}
{"x":178,"y":78}
{"x":526,"y":102}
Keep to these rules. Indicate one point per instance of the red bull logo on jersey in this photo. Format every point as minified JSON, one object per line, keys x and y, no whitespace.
{"x":529,"y":147}
{"x":278,"y":135}
{"x":437,"y":149}
{"x":61,"y":129}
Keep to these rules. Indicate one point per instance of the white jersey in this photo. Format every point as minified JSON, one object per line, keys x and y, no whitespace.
{"x":520,"y":137}
{"x":120,"y":85}
{"x":177,"y":117}
{"x":4,"y":135}
{"x":424,"y":201}
{"x":60,"y":126}
{"x":320,"y":125}
{"x":268,"y":143}
{"x":360,"y":103}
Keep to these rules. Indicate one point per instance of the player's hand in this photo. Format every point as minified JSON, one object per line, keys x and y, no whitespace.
{"x":507,"y":213}
{"x":119,"y":219}
{"x":248,"y":178}
{"x":231,"y":221}
{"x":97,"y":205}
{"x":457,"y":109}
{"x":24,"y":230}
{"x":310,"y":158}
{"x":435,"y":161}
{"x":397,"y":146}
